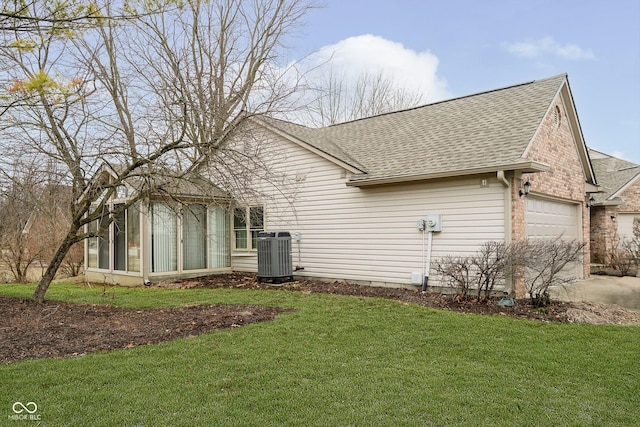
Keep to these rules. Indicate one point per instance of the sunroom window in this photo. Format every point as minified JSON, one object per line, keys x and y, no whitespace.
{"x":164,"y":238}
{"x":194,"y":237}
{"x":180,"y":238}
{"x":121,"y":240}
{"x":200,"y":233}
{"x":98,"y":247}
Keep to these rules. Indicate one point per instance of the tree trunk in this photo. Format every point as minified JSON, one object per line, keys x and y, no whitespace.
{"x":54,"y":265}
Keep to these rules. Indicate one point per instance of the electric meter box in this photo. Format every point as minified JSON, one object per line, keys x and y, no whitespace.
{"x":434,"y":222}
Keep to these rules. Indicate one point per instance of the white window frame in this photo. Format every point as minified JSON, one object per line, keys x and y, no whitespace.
{"x":248,"y":229}
{"x":108,"y":240}
{"x":209,"y":243}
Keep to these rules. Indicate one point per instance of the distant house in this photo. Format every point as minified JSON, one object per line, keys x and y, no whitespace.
{"x":352,"y":193}
{"x":615,"y":207}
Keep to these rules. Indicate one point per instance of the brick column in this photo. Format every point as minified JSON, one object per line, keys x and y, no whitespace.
{"x":518,"y":206}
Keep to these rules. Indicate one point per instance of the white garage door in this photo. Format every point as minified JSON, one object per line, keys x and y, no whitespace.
{"x":625,"y":225}
{"x":548,"y":219}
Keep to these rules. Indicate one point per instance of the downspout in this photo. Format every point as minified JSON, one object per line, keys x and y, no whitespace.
{"x":507,"y":205}
{"x":502,"y":179}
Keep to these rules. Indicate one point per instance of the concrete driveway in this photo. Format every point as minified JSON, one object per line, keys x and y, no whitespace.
{"x":623,"y":291}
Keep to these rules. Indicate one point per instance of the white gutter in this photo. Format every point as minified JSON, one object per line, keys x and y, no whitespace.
{"x":525,"y":166}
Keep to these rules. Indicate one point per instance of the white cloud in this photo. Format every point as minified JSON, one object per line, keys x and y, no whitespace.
{"x":548,"y":45}
{"x":351,"y":57}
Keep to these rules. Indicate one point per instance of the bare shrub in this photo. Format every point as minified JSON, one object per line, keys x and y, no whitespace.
{"x":617,"y":257}
{"x":545,"y":262}
{"x":480,"y":272}
{"x":624,"y":255}
{"x":490,"y":264}
{"x":455,"y":272}
{"x":631,"y":247}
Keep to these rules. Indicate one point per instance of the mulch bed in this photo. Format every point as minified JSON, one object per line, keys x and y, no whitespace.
{"x":59,"y":329}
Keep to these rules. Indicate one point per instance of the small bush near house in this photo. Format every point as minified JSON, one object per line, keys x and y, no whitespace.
{"x":631,"y":247}
{"x":455,"y":273}
{"x":620,"y":262}
{"x":623,"y":258}
{"x":480,"y":272}
{"x":545,"y":263}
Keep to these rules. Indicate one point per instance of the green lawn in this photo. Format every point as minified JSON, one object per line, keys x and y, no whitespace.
{"x":336,"y":361}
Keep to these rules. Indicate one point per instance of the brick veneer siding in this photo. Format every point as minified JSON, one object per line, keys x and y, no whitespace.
{"x":603,"y":233}
{"x":553,"y":145}
{"x":631,"y":198}
{"x":604,"y":229}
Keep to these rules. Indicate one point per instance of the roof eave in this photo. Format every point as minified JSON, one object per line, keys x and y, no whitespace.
{"x":349,"y":167}
{"x":610,"y":202}
{"x":524,"y":167}
{"x":592,"y":188}
{"x":628,"y":184}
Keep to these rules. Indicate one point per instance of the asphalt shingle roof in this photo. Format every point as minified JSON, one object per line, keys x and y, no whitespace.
{"x":487,"y":129}
{"x":612,"y":174}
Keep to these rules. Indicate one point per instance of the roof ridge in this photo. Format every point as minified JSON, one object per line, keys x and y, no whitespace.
{"x":449,"y":100}
{"x":625,"y":164}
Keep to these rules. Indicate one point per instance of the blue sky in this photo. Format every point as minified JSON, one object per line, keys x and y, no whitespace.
{"x":455,"y":48}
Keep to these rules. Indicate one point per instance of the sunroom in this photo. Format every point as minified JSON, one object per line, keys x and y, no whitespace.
{"x":165,"y":237}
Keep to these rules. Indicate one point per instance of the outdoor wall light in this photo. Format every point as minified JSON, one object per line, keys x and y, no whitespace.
{"x":526,"y":188}
{"x":591,"y":202}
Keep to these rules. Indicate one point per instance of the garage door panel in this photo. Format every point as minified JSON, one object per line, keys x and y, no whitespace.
{"x":549,"y":219}
{"x":625,"y":225}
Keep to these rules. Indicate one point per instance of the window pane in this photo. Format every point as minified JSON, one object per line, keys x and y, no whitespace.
{"x":241,"y":239}
{"x":119,"y":241}
{"x":256,"y":216}
{"x":133,"y":238}
{"x":163,"y":238}
{"x":239,"y":218}
{"x":254,"y":238}
{"x":194,"y":234}
{"x":240,"y":227}
{"x":103,"y":244}
{"x":92,"y":260}
{"x":218,"y":238}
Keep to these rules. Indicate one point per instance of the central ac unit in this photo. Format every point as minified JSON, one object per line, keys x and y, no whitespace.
{"x":274,"y":256}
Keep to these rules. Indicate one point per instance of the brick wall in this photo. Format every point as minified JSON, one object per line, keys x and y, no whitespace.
{"x":604,"y":229}
{"x":631,"y":198}
{"x":553,"y":145}
{"x":603,"y":233}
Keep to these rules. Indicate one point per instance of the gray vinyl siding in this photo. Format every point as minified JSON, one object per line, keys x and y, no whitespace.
{"x":370,"y":234}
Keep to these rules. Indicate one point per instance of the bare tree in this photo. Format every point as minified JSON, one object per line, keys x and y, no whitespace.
{"x":25,"y":16}
{"x":33,"y":220}
{"x":339,"y":99}
{"x":17,"y":249}
{"x":144,"y":99}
